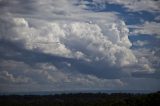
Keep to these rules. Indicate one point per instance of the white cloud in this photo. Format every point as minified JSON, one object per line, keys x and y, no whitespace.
{"x":65,"y":77}
{"x":72,"y":32}
{"x":10,"y":78}
{"x":48,"y":74}
{"x":151,"y":28}
{"x":140,"y":43}
{"x":78,"y":40}
{"x":13,"y":72}
{"x":147,"y":60}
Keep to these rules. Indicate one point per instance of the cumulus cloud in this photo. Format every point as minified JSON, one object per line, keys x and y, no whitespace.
{"x":48,"y":74}
{"x":13,"y":72}
{"x":148,"y":60}
{"x":74,"y":40}
{"x":43,"y":31}
{"x":63,"y":77}
{"x":10,"y":78}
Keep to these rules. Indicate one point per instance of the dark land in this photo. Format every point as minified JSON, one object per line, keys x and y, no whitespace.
{"x":82,"y":99}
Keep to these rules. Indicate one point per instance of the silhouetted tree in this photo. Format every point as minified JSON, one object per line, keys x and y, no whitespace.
{"x":83,"y":99}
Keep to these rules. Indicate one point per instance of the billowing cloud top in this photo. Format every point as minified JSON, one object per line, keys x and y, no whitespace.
{"x":62,"y":44}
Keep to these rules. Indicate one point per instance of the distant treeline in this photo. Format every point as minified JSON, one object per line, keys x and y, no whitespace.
{"x":82,"y":99}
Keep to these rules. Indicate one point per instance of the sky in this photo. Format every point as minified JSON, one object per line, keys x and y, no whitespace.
{"x":58,"y":45}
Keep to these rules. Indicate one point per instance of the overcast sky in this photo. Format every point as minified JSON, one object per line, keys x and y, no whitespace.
{"x":48,"y":45}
